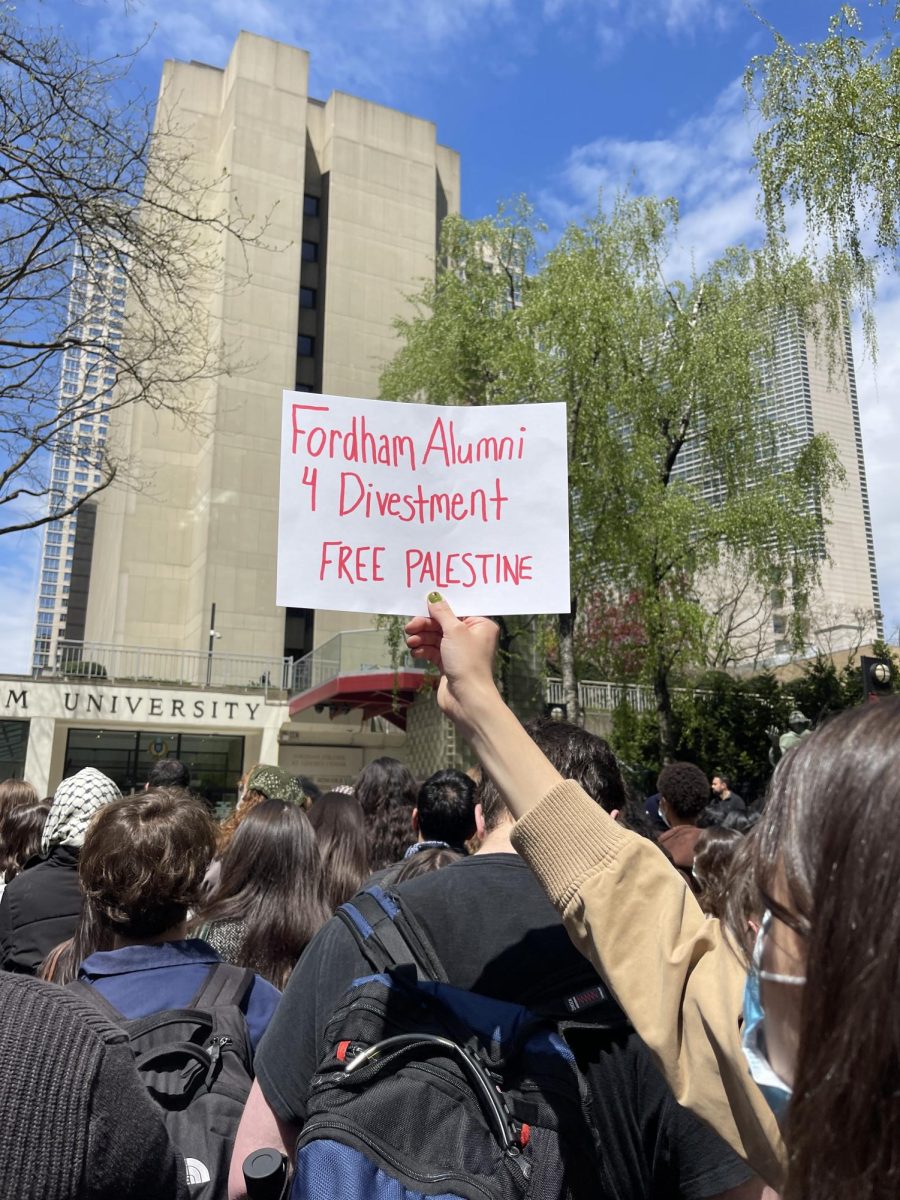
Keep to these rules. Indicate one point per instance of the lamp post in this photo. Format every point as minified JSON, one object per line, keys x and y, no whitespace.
{"x":212,"y":641}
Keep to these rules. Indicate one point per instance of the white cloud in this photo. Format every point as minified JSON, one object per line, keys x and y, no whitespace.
{"x":615,"y":22}
{"x":361,"y":45}
{"x":704,"y":162}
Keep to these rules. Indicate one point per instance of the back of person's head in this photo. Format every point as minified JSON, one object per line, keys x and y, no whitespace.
{"x":576,"y":754}
{"x":425,"y":861}
{"x":21,"y":828}
{"x":445,"y":808}
{"x":825,"y":860}
{"x":169,"y":773}
{"x":75,"y":801}
{"x":341,"y":833}
{"x":143,"y":861}
{"x":713,"y":857}
{"x":262,"y":782}
{"x":387,"y":792}
{"x":685,"y":788}
{"x":271,"y":879}
{"x":14,"y":793}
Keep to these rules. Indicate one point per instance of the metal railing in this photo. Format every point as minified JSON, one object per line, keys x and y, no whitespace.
{"x":605,"y":697}
{"x":355,"y":652}
{"x":177,"y":668}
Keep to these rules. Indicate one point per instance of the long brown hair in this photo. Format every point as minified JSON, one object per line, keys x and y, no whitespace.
{"x":341,"y":834}
{"x":272,"y":881}
{"x":20,"y":836}
{"x":713,"y":857}
{"x":14,"y":793}
{"x":387,"y":792}
{"x":829,"y":834}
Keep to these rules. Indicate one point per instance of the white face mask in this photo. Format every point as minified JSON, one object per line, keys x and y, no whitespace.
{"x":753,"y":1042}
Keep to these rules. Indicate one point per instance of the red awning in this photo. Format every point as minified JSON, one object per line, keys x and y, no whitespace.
{"x":376,"y":693}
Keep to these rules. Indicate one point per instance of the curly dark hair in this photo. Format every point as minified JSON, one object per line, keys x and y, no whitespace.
{"x":387,"y":792}
{"x":685,"y":787}
{"x":144,"y":858}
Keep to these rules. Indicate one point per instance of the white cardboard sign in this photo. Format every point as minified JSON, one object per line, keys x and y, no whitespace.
{"x":382,"y":503}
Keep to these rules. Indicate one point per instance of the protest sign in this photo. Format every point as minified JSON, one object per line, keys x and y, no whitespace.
{"x":382,"y":503}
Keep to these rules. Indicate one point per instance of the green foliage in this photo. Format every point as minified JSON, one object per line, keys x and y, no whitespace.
{"x":823,"y":689}
{"x":720,"y":723}
{"x":723,"y":727}
{"x":830,"y":143}
{"x":651,"y":370}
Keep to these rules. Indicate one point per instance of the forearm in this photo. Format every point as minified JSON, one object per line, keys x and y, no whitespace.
{"x":519,"y":770}
{"x":259,"y":1128}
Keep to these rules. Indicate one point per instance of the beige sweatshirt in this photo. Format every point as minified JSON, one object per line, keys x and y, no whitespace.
{"x":628,"y":910}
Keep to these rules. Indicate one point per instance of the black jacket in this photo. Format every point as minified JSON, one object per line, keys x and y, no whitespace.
{"x":39,"y":909}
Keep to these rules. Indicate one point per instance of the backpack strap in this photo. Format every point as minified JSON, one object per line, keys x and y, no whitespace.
{"x":97,"y":1000}
{"x":388,"y":935}
{"x":224,"y":985}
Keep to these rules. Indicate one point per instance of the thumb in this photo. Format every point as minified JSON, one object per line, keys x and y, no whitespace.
{"x":439,"y":610}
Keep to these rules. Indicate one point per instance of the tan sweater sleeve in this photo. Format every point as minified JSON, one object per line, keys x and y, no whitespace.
{"x":629,"y":912}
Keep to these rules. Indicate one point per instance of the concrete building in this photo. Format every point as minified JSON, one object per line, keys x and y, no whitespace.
{"x":351,"y":196}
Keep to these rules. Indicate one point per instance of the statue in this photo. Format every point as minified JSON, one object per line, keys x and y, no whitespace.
{"x":798,"y":729}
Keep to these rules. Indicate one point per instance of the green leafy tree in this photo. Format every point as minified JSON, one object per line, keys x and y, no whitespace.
{"x":674,"y":468}
{"x":831,"y":140}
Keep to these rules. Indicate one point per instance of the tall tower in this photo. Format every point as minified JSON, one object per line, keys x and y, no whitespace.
{"x":353,"y":195}
{"x":96,"y":306}
{"x":812,"y":390}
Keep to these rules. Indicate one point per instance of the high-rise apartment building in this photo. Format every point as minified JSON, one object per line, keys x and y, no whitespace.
{"x":809,"y":388}
{"x":96,"y":307}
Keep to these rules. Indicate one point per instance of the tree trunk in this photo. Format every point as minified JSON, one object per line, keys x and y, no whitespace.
{"x":566,"y":623}
{"x":504,"y":655}
{"x":664,"y":716}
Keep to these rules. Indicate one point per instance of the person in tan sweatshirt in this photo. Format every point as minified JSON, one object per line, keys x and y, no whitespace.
{"x":684,"y":986}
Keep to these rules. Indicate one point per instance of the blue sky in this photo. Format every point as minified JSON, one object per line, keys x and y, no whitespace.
{"x":553,"y":98}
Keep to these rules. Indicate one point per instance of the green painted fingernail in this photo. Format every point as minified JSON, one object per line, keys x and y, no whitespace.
{"x":434,"y":597}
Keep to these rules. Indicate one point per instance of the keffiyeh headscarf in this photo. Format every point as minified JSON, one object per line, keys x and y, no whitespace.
{"x":75,"y":802}
{"x":276,"y":784}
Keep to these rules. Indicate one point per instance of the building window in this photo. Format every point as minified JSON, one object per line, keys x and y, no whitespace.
{"x":306,"y":346}
{"x":310,"y":205}
{"x":303,"y":387}
{"x":310,"y":250}
{"x":307,"y":297}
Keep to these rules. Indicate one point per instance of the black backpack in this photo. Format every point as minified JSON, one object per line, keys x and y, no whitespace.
{"x":197,"y":1064}
{"x":426,"y":1089}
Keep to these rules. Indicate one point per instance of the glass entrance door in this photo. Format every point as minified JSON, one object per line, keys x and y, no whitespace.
{"x":127,"y":756}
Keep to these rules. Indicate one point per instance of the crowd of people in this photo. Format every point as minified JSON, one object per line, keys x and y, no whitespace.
{"x":750,"y":958}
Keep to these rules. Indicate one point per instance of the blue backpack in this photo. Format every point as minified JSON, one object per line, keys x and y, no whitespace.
{"x":424,"y":1089}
